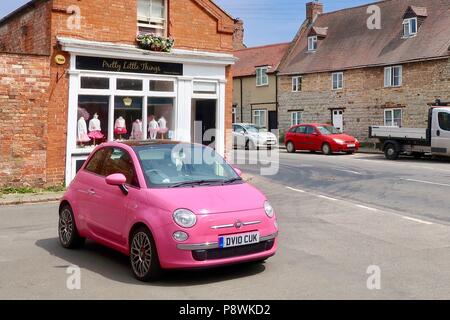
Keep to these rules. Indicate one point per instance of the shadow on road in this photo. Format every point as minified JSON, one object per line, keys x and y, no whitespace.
{"x":115,"y":266}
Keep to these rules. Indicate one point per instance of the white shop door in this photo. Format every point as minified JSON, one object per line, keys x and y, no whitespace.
{"x":338,"y":119}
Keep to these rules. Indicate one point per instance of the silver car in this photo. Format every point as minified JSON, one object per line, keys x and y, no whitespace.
{"x":250,"y":136}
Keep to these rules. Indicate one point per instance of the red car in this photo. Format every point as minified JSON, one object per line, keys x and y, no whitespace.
{"x":319,"y":137}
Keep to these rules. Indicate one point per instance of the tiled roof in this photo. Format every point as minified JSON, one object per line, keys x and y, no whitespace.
{"x":349,"y":43}
{"x":251,"y":58}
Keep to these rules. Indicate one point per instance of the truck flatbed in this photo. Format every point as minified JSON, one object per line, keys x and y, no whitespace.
{"x":383,"y":132}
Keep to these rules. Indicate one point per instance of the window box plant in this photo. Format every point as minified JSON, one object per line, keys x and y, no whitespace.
{"x":154,"y":43}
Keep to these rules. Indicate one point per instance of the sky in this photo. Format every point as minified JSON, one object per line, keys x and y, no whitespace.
{"x":266,"y":21}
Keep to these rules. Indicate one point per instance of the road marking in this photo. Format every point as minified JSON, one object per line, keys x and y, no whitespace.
{"x":297,"y":190}
{"x":428,"y":182}
{"x":417,"y":220}
{"x":327,"y":198}
{"x":367,"y":208}
{"x":349,"y":171}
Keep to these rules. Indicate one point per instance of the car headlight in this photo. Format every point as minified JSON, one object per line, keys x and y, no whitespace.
{"x":268,"y":209}
{"x":184,"y":218}
{"x":339,"y":141}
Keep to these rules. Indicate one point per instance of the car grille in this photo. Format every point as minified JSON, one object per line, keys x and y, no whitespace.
{"x":216,"y":254}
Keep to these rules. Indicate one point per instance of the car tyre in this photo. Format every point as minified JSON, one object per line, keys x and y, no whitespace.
{"x":391,"y":152}
{"x":144,"y":259}
{"x":326,"y":149}
{"x":67,"y":229}
{"x":350,"y":152}
{"x":290,"y":147}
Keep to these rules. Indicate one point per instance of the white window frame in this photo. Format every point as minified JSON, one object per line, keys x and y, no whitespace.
{"x":339,"y":81}
{"x":408,"y":31}
{"x":261,"y":114}
{"x":234,"y":115}
{"x":153,"y":22}
{"x":390,"y":77}
{"x":297,"y":83}
{"x":312,"y":43}
{"x":296,"y":118}
{"x":262,"y":78}
{"x":392,"y":112}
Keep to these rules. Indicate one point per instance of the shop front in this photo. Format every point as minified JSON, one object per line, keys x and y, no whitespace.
{"x":120,"y":92}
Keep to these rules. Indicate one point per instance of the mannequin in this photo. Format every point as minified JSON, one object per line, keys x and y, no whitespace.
{"x":82,"y":132}
{"x":136,"y":131}
{"x":162,"y":126}
{"x":95,"y":129}
{"x":120,"y":127}
{"x":153,"y":128}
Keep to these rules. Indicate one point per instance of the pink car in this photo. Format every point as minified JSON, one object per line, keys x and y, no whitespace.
{"x":168,"y":206}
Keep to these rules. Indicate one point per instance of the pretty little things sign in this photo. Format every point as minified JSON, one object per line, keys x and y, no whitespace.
{"x":130,"y":66}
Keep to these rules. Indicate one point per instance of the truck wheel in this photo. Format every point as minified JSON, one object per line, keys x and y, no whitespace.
{"x":391,"y":152}
{"x":417,"y":155}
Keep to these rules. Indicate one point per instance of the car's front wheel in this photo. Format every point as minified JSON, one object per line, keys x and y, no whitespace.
{"x":67,"y":229}
{"x":143,"y":256}
{"x":326,"y":149}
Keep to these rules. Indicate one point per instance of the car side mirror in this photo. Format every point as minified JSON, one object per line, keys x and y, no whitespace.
{"x":119,"y":180}
{"x":238,"y":171}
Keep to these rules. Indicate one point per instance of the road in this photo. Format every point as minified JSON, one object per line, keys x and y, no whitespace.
{"x":339,"y":217}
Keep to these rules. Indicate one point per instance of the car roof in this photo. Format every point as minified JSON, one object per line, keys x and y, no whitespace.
{"x":312,"y":124}
{"x":141,"y":143}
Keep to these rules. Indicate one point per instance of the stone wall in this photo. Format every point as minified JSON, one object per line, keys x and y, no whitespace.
{"x":364,"y":97}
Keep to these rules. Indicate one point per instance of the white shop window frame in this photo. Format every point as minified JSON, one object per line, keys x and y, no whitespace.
{"x":112,"y":92}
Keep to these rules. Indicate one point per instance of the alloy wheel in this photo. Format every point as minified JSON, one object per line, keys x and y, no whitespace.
{"x":65,"y":226}
{"x":141,"y":254}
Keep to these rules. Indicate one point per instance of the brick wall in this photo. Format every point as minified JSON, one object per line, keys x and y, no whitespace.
{"x":365,"y":98}
{"x":24,"y":81}
{"x":28,"y":32}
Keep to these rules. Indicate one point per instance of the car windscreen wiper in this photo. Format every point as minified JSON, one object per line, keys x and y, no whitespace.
{"x":229,"y":181}
{"x":195,"y":182}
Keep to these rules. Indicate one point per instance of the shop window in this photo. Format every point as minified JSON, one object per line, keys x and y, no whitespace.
{"x":92,"y":120}
{"x":162,"y":86}
{"x":393,"y":117}
{"x":128,"y":118}
{"x":129,"y":84}
{"x":161,"y":118}
{"x":94,"y":83}
{"x":151,"y":15}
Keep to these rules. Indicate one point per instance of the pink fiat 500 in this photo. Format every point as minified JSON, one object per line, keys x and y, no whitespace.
{"x":168,"y":206}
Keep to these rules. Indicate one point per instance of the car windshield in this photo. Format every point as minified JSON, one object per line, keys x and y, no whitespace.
{"x":327,"y":130}
{"x":255,"y":129}
{"x":184,"y":165}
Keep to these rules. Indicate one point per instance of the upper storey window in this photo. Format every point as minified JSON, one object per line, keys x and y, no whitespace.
{"x":409,"y":27}
{"x":151,"y":16}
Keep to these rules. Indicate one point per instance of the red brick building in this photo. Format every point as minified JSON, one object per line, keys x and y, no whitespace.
{"x":70,"y":69}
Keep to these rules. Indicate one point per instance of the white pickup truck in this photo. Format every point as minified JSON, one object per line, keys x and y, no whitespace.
{"x":434,"y":140}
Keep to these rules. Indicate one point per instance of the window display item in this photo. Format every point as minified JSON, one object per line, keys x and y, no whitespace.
{"x":120,"y":126}
{"x":153,"y":128}
{"x":163,"y":126}
{"x":82,"y":132}
{"x":95,"y":129}
{"x":136,"y":131}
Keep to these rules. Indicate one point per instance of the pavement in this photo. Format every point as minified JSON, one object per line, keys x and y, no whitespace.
{"x":340,"y":218}
{"x":16,"y":198}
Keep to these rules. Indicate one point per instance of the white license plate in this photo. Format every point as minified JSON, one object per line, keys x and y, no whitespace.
{"x":351,"y":145}
{"x":236,"y":240}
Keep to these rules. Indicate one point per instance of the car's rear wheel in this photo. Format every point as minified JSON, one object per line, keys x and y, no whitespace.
{"x":350,"y":152}
{"x":290,"y":147}
{"x":326,"y":149}
{"x":143,"y":256}
{"x":67,"y":229}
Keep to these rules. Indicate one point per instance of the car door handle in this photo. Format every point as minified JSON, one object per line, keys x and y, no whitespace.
{"x":438,"y":133}
{"x":92,"y":192}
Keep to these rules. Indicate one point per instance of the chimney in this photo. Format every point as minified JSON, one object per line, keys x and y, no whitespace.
{"x":238,"y":35}
{"x":313,"y":9}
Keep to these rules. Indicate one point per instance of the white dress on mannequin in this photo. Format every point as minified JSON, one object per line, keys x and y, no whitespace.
{"x":136,"y":131}
{"x":153,"y":128}
{"x":82,"y":131}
